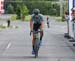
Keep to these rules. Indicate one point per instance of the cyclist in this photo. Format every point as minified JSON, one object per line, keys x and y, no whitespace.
{"x":36,"y":23}
{"x":48,"y":21}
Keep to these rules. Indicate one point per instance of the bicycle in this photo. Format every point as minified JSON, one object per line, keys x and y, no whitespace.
{"x":37,"y":42}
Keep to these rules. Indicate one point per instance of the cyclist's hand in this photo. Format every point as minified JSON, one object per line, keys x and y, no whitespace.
{"x":42,"y":29}
{"x":31,"y":32}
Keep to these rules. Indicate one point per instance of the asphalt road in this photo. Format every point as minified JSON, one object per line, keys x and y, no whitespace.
{"x":15,"y":44}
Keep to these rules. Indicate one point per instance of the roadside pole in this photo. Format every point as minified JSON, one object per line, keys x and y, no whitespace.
{"x":70,"y":18}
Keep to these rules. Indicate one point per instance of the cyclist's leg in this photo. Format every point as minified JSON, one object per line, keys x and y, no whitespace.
{"x":33,"y":41}
{"x":41,"y":36}
{"x":41,"y":28}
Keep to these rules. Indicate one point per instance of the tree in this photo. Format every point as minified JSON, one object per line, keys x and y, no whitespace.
{"x":47,"y":7}
{"x":24,"y":11}
{"x":18,"y":12}
{"x":10,"y":9}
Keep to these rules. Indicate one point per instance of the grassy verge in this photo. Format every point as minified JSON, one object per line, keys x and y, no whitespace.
{"x":59,"y":19}
{"x":27,"y":18}
{"x":13,"y":17}
{"x":4,"y":26}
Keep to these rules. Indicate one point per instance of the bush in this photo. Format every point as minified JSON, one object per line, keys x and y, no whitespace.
{"x":59,"y":19}
{"x":21,"y":11}
{"x":46,"y":7}
{"x":24,"y":11}
{"x":63,"y":19}
{"x":10,"y":9}
{"x":13,"y":17}
{"x":18,"y":12}
{"x":27,"y":18}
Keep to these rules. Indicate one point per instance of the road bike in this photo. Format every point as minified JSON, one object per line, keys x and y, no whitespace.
{"x":37,"y":42}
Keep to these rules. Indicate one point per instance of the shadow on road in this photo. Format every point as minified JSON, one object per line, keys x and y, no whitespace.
{"x":18,"y":57}
{"x":24,"y":57}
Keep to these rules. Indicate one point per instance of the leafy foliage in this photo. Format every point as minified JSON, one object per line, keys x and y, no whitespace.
{"x":18,"y":12}
{"x":24,"y":11}
{"x":23,"y":7}
{"x":10,"y":9}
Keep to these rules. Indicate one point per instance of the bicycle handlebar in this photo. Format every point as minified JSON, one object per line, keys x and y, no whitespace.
{"x":34,"y":32}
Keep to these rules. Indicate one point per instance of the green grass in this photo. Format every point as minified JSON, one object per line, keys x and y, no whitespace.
{"x":16,"y":27}
{"x":3,"y":26}
{"x":27,"y":18}
{"x":13,"y":17}
{"x":59,"y":19}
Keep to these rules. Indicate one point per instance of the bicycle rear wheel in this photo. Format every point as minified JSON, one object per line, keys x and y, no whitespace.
{"x":36,"y":48}
{"x":36,"y":52}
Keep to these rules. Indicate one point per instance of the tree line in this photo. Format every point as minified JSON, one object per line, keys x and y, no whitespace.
{"x":24,"y":7}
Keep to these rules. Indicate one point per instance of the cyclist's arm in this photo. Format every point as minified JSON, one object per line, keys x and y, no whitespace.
{"x":42,"y":25}
{"x":31,"y":25}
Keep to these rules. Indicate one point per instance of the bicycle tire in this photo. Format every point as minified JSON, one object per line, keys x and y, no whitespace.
{"x":36,"y":48}
{"x":36,"y":52}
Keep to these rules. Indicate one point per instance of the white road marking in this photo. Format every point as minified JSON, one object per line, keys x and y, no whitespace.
{"x":8,"y":45}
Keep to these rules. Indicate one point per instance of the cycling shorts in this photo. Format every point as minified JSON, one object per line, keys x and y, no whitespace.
{"x":36,"y":27}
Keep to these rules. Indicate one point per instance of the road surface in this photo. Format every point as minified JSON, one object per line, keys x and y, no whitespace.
{"x":15,"y":44}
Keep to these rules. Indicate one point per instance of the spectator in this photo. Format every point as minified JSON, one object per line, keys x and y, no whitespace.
{"x":66,"y":15}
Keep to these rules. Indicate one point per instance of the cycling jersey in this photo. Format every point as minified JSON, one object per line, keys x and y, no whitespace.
{"x":37,"y":20}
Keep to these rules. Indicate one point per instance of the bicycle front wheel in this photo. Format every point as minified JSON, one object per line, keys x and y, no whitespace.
{"x":36,"y":48}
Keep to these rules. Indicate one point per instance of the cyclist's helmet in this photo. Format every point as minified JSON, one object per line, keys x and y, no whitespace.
{"x":36,"y":11}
